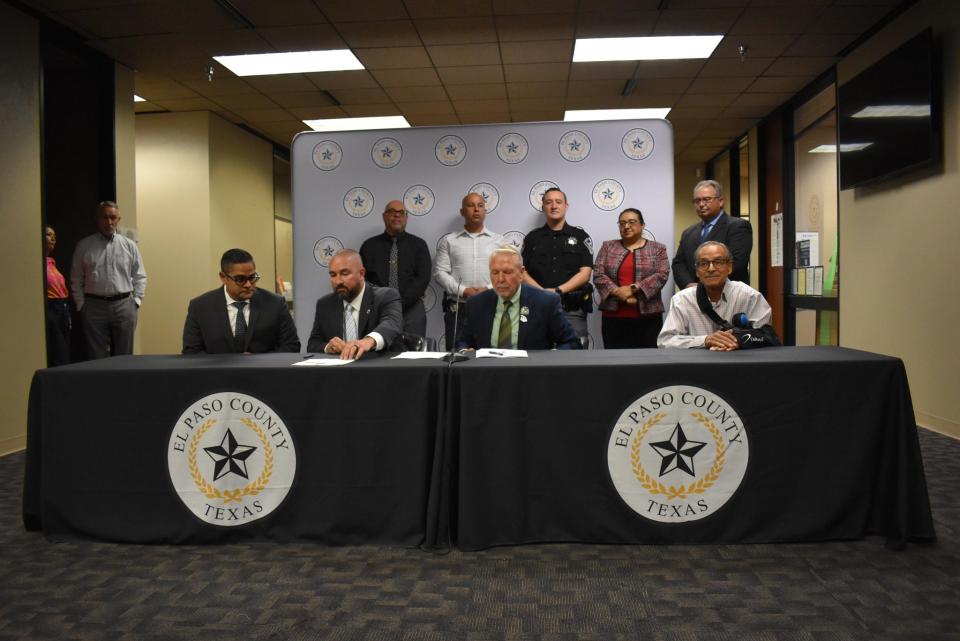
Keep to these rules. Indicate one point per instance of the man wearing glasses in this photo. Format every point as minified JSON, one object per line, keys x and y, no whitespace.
{"x":239,"y":318}
{"x":687,"y":325}
{"x":715,"y":224}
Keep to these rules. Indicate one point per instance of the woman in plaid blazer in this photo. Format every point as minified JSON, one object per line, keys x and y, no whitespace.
{"x":628,"y":275}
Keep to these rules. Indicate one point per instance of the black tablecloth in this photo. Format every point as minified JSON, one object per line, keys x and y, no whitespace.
{"x":833,"y":447}
{"x":365,"y":433}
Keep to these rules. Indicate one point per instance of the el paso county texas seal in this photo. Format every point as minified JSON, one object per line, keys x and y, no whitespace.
{"x":677,"y":454}
{"x":231,"y":459}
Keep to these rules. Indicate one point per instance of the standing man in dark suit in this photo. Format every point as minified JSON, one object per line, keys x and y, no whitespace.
{"x":400,"y":260}
{"x":239,"y":317}
{"x":717,"y":225}
{"x":514,"y":316}
{"x":355,"y":318}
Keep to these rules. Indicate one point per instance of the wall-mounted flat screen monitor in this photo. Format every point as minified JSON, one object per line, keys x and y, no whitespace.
{"x":890,"y":115}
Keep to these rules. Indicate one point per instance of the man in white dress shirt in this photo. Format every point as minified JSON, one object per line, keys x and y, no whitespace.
{"x":462,"y":263}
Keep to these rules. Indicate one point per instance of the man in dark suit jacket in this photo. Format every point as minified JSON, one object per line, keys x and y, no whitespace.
{"x":735,"y":233}
{"x":373,"y":322}
{"x":512,"y":315}
{"x":239,"y":317}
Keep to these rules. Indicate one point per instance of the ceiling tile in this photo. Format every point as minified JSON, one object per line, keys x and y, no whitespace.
{"x":245,"y":101}
{"x":542,"y":51}
{"x":599,"y":88}
{"x":484,"y":74}
{"x":819,"y":45}
{"x":280,"y":82}
{"x":310,"y":37}
{"x":350,"y":11}
{"x":455,"y":31}
{"x":536,"y":104}
{"x":149,"y":18}
{"x":694,"y":112}
{"x":406,"y":77}
{"x":591,"y":101}
{"x":668,"y":68}
{"x":784,"y":84}
{"x":186,"y":104}
{"x":393,"y":33}
{"x":707,"y":4}
{"x":719,"y":85}
{"x":301,"y":98}
{"x":316,"y":113}
{"x":367,"y":96}
{"x":539,"y":72}
{"x":481,"y":106}
{"x":706,"y":100}
{"x":265,"y":115}
{"x":778,"y":20}
{"x":848,"y":20}
{"x":417,"y":94}
{"x":758,"y":46}
{"x":735,"y":68}
{"x":447,"y":8}
{"x":665,"y":86}
{"x":549,"y":26}
{"x":464,"y":55}
{"x":536,"y":89}
{"x":514,"y":7}
{"x":483,"y":118}
{"x":161,"y":90}
{"x":769,"y":100}
{"x":275,"y":14}
{"x":393,"y":57}
{"x":368,"y":111}
{"x":652,"y":101}
{"x":695,"y":22}
{"x":342,"y":79}
{"x":220,"y":86}
{"x":799,"y":66}
{"x":432,"y":120}
{"x":733,"y":111}
{"x":544,"y":115}
{"x":477,"y":92}
{"x":442,"y":107}
{"x":621,"y":70}
{"x":621,"y":24}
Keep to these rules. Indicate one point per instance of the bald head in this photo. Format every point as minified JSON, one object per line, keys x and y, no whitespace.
{"x":346,"y":273}
{"x":474,"y":211}
{"x":394,"y":218}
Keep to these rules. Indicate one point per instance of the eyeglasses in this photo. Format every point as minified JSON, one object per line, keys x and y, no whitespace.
{"x":401,"y":212}
{"x":628,"y":223}
{"x":704,"y":201}
{"x":705,"y":264}
{"x":243,"y":280}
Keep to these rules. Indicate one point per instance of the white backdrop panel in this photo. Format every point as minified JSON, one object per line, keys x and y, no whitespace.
{"x":343,"y":180}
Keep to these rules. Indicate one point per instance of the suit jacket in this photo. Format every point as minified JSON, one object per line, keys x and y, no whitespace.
{"x":545,"y":328}
{"x":380,"y":311}
{"x":270,"y":328}
{"x":735,"y":233}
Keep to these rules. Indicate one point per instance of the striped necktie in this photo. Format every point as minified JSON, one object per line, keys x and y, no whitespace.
{"x":505,"y":335}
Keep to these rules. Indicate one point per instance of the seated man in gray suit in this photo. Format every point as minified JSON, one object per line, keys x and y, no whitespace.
{"x":239,"y":317}
{"x":356,"y":317}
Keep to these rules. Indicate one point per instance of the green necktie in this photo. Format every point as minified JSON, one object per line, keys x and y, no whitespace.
{"x":505,"y":336}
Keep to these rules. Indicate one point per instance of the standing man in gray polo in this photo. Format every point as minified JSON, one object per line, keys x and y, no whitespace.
{"x":107,"y":281}
{"x":462,"y":265}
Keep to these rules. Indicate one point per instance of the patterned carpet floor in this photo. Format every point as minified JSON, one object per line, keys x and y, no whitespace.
{"x":824,"y":592}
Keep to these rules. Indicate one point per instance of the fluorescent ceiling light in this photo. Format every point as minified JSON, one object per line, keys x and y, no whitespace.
{"x":265,"y":64}
{"x":894,"y":111}
{"x":137,"y":98}
{"x":647,"y":48}
{"x":356,"y":124}
{"x":615,"y":114}
{"x":832,"y":149}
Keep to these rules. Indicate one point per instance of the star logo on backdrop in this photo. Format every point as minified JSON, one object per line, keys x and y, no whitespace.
{"x":575,"y":145}
{"x":229,"y":457}
{"x":358,"y":202}
{"x":450,"y":150}
{"x":387,"y":152}
{"x":607,"y":194}
{"x":327,"y":154}
{"x":512,"y":147}
{"x":328,"y":251}
{"x":325,"y":248}
{"x":418,"y":199}
{"x":486,"y":197}
{"x":637,"y":143}
{"x":678,"y":452}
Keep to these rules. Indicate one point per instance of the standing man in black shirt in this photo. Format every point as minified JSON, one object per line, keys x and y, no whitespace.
{"x":402,"y":261}
{"x":558,"y":258}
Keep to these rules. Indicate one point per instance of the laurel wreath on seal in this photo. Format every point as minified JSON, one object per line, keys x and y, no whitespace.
{"x":252,"y":489}
{"x":697,"y":487}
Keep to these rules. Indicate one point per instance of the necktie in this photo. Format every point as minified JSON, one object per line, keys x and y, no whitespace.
{"x":704,"y":232}
{"x":240,"y":327}
{"x":505,"y":335}
{"x":392,"y":280}
{"x":349,"y":324}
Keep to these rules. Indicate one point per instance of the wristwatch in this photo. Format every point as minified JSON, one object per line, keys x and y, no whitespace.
{"x":559,"y":291}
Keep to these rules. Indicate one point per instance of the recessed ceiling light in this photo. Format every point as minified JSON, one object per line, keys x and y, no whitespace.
{"x":265,"y":64}
{"x":832,"y":149}
{"x":356,"y":124}
{"x":137,"y":98}
{"x":647,"y":48}
{"x":615,"y":114}
{"x":894,"y":111}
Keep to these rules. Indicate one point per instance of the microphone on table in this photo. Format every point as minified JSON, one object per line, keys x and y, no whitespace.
{"x":453,"y":356}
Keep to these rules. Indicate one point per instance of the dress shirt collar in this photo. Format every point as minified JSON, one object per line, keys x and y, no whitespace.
{"x":231,"y":300}
{"x":515,"y":299}
{"x":483,"y":232}
{"x":711,"y":223}
{"x":355,"y":301}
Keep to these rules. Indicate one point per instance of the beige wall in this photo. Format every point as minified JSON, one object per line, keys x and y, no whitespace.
{"x":898,"y":240}
{"x":203,"y":186}
{"x":125,"y":157}
{"x":23,"y":340}
{"x":687,"y":176}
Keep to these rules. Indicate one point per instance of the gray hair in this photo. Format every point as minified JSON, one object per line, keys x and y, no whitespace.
{"x":712,"y":243}
{"x":717,"y":189}
{"x":507,"y":250}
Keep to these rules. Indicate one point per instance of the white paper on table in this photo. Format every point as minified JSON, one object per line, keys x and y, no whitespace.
{"x":324,"y":362}
{"x":501,"y":353}
{"x":416,"y":356}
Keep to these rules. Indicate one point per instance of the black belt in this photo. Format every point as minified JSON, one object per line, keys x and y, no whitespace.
{"x":56,"y":301}
{"x":109,"y":299}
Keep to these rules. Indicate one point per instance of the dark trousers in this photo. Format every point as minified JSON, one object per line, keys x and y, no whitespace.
{"x":415,"y":319}
{"x":630,"y":333}
{"x":58,"y":332}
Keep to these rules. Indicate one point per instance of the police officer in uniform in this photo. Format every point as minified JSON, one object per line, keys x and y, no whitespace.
{"x":558,"y":259}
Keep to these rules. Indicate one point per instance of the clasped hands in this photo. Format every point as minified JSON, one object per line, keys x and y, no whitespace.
{"x":350,"y":349}
{"x":625,"y":294}
{"x":721,"y":341}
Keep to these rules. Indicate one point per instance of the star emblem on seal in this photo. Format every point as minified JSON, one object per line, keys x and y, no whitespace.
{"x":575,"y":145}
{"x":451,"y":150}
{"x":386,"y":152}
{"x":607,"y":194}
{"x":358,"y":202}
{"x":327,"y":154}
{"x":677,"y":453}
{"x":512,"y":147}
{"x":418,"y":199}
{"x":229,"y":457}
{"x":637,"y":143}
